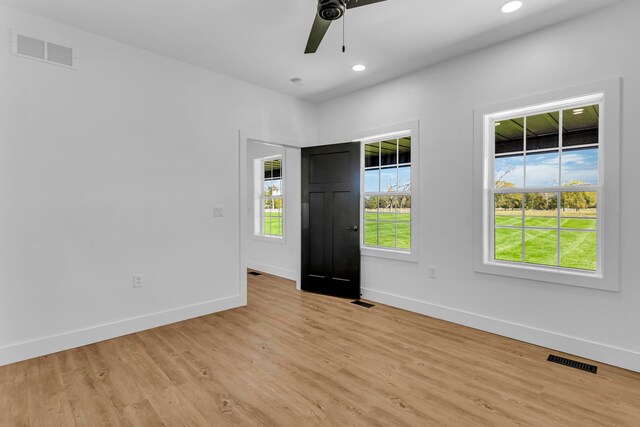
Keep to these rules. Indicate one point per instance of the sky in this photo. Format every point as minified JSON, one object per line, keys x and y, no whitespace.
{"x":543,"y":169}
{"x":381,"y":179}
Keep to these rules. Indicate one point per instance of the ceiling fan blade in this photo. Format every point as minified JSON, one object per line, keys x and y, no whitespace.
{"x":357,"y":3}
{"x":319,"y":29}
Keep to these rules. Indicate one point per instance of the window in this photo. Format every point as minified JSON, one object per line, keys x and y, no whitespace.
{"x":387,"y":193}
{"x":546,"y":188}
{"x":389,"y":226}
{"x":272,"y":197}
{"x":543,"y":191}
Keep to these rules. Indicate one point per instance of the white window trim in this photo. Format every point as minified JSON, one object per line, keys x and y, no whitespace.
{"x":401,"y":129}
{"x":607,"y":277}
{"x":258,"y":200}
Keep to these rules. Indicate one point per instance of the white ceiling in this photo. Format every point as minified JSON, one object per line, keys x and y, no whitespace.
{"x":262,"y":41}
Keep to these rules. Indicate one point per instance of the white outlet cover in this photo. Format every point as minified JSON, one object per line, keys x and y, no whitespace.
{"x":432,"y":271}
{"x":137,"y":280}
{"x":218,"y":211}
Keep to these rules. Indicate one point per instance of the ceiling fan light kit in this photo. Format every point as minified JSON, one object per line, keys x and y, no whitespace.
{"x":330,"y":10}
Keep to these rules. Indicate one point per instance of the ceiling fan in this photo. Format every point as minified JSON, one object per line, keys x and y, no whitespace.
{"x":330,"y":10}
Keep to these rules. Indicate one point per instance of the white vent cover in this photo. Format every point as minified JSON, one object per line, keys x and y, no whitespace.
{"x":29,"y":46}
{"x":60,"y":54}
{"x":42,"y":50}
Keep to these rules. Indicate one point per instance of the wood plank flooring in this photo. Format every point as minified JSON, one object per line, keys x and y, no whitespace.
{"x":297,"y":359}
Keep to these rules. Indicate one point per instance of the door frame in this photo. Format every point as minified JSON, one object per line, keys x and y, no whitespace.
{"x":244,"y":138}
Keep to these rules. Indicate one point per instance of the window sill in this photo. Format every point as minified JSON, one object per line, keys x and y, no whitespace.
{"x":550,"y":275}
{"x":270,"y":239}
{"x":389,"y":254}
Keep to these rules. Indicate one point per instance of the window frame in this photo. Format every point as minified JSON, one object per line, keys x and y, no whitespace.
{"x":260,"y":198}
{"x":379,"y":134}
{"x":607,"y":95}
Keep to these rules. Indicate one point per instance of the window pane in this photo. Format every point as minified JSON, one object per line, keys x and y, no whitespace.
{"x":580,"y":166}
{"x":580,"y":126}
{"x":387,"y":234}
{"x":404,"y":178}
{"x":541,"y":210}
{"x":404,"y":150}
{"x":371,"y":208}
{"x":388,"y":179}
{"x":276,"y":226}
{"x":403,"y":235}
{"x":372,"y":181}
{"x":508,"y":244}
{"x":578,"y":249}
{"x":543,"y":169}
{"x":509,"y":136}
{"x":371,"y":233}
{"x":509,"y":171}
{"x":386,"y":210}
{"x":266,"y":218}
{"x":276,"y":187}
{"x":579,"y":210}
{"x":372,"y":155}
{"x":508,"y":210}
{"x":543,"y":131}
{"x":267,"y":187}
{"x":541,"y":247}
{"x":277,"y":207}
{"x":268,"y":207}
{"x":403,"y":208}
{"x":268,"y":169}
{"x":277,"y":168}
{"x":389,"y":152}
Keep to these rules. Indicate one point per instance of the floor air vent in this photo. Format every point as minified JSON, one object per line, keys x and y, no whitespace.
{"x":573,"y":364}
{"x":363,"y":304}
{"x":255,"y":273}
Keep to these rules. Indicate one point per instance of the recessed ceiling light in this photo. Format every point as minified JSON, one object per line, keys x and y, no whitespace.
{"x":358,"y":67}
{"x":296,"y":80}
{"x":511,"y":6}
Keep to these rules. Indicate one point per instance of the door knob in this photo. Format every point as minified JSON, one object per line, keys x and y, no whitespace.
{"x":353,"y":228}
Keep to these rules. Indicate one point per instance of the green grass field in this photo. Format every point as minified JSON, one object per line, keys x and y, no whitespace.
{"x":546,"y":222}
{"x":577,"y":248}
{"x":273,"y":225}
{"x":388,"y":230}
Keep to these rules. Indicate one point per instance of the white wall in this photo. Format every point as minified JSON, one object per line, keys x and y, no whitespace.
{"x":113,"y":169}
{"x":278,"y":257}
{"x":596,"y":324}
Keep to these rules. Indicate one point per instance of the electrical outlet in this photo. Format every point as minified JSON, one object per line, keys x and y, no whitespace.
{"x":218,"y":211}
{"x":432,"y":272}
{"x":137,"y":280}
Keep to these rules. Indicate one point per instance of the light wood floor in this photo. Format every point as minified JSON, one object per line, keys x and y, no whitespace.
{"x":297,"y":359}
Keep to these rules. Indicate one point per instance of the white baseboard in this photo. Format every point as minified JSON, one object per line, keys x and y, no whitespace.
{"x":615,"y":356}
{"x":52,"y":344}
{"x":275,"y":271}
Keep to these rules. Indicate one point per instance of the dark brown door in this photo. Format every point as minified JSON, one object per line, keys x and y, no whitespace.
{"x":330,"y":220}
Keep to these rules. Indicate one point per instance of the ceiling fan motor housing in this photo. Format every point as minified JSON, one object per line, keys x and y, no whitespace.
{"x":330,"y":10}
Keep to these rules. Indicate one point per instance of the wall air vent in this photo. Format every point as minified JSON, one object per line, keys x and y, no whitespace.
{"x":42,"y":50}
